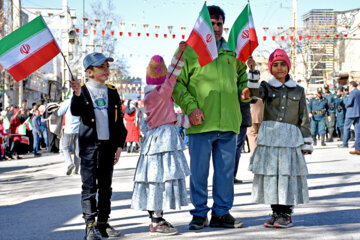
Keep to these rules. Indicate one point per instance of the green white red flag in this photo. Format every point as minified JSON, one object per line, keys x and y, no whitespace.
{"x":6,"y":123}
{"x":29,"y":124}
{"x":21,"y":129}
{"x":202,"y":38}
{"x":27,"y":49}
{"x":242,"y":38}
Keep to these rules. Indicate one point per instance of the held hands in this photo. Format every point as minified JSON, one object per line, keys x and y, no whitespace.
{"x":196,"y":117}
{"x":75,"y":85}
{"x":245,"y":94}
{"x":251,"y":63}
{"x":117,"y":155}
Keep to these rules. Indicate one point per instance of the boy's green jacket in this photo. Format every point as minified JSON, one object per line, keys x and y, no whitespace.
{"x":214,"y":88}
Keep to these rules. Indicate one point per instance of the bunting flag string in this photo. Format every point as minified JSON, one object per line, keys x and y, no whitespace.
{"x":174,"y":35}
{"x":122,"y":24}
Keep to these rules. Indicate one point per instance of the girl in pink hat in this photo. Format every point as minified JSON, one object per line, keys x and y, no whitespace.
{"x":284,"y":138}
{"x":162,"y":168}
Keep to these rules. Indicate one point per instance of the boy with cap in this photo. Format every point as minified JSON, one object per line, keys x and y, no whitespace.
{"x":101,"y":137}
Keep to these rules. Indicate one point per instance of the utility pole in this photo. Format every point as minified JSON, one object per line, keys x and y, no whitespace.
{"x":295,"y":40}
{"x":16,"y":11}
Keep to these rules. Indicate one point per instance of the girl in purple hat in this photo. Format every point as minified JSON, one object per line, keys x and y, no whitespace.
{"x":162,"y":168}
{"x":284,"y":138}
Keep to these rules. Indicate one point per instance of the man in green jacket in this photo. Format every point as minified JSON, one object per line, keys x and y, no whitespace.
{"x":210,"y":95}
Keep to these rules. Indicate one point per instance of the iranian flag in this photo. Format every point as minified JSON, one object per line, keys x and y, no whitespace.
{"x":27,"y":49}
{"x":6,"y":123}
{"x":202,"y":38}
{"x":242,"y":38}
{"x":21,"y":129}
{"x":29,"y":124}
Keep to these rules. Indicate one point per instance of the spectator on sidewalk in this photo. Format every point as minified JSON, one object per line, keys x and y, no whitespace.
{"x":36,"y":131}
{"x":70,"y":137}
{"x":132,"y":126}
{"x":352,"y":116}
{"x":15,"y":138}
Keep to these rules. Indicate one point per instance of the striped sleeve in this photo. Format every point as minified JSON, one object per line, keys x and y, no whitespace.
{"x":179,"y":63}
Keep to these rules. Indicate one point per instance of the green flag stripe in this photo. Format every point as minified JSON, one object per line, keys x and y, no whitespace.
{"x":204,"y":14}
{"x":21,"y":34}
{"x":242,"y":20}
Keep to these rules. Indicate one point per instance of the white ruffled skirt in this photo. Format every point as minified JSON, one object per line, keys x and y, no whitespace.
{"x":159,"y":181}
{"x":279,"y":166}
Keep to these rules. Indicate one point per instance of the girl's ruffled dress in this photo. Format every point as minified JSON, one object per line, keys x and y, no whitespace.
{"x":159,"y":180}
{"x":161,"y":170}
{"x":279,"y":166}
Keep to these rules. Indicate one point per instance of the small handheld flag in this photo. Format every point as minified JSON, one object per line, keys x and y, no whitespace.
{"x":202,"y":38}
{"x":242,"y":38}
{"x":27,"y":49}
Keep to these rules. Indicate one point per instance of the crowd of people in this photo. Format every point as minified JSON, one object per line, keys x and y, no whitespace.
{"x":15,"y":139}
{"x":211,"y":110}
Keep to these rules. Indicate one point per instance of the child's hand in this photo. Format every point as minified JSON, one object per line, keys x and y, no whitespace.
{"x":182,"y":47}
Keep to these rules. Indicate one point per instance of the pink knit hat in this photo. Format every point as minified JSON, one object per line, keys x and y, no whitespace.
{"x":279,"y":55}
{"x":156,"y":71}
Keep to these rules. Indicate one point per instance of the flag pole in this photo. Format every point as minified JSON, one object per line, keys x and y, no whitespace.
{"x":249,"y":29}
{"x":176,"y":64}
{"x":72,"y":76}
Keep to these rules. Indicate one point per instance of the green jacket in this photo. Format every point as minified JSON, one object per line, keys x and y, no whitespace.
{"x":214,"y":88}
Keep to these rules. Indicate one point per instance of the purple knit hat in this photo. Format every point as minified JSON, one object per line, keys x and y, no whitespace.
{"x":156,"y":71}
{"x":279,"y":55}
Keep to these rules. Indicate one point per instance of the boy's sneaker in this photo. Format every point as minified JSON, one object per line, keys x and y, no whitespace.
{"x":284,"y":221}
{"x":163,"y":228}
{"x":225,"y":221}
{"x":92,"y":233}
{"x":107,"y":231}
{"x":198,"y":223}
{"x":270,"y":222}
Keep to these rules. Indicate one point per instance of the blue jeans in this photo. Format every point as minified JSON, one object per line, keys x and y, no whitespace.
{"x":240,"y":140}
{"x":36,"y":138}
{"x":69,"y":140}
{"x":347,"y":125}
{"x":222,"y":147}
{"x":45,"y":137}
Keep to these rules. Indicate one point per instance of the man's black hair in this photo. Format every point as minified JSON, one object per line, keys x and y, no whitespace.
{"x":353,"y":83}
{"x":216,"y":12}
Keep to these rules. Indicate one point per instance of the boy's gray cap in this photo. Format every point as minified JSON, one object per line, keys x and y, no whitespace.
{"x":95,"y":59}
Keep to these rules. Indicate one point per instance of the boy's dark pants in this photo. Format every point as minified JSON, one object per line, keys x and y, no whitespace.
{"x":97,"y":164}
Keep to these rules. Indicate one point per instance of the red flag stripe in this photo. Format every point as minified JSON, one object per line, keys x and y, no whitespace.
{"x":32,"y":63}
{"x":197,"y":43}
{"x":245,"y":53}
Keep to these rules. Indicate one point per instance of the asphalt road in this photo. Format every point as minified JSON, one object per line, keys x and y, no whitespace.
{"x":38,"y":201}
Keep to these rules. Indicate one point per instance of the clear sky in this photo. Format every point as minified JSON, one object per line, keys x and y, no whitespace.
{"x":137,"y":50}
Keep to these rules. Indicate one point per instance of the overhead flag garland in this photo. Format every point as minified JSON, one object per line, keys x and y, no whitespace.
{"x":176,"y":32}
